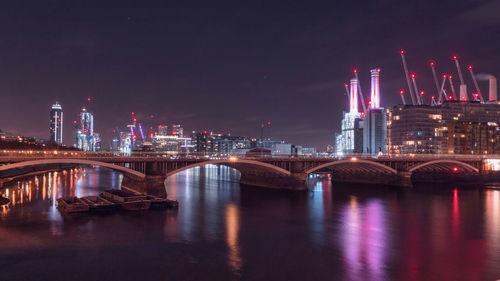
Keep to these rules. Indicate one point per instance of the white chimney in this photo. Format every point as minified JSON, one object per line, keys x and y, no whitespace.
{"x":493,"y":89}
{"x":463,"y":93}
{"x":353,"y":98}
{"x":375,"y":90}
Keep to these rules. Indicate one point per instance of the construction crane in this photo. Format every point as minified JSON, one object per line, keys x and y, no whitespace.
{"x":455,"y":58}
{"x":402,"y":52}
{"x":435,"y":76}
{"x":441,"y":92}
{"x":433,"y":101}
{"x":402,"y":94}
{"x":415,"y":88}
{"x":475,"y":83}
{"x":452,"y":87}
{"x":361,"y":97}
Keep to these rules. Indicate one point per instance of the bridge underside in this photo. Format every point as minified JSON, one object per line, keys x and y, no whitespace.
{"x":264,"y":177}
{"x":361,"y":173}
{"x":446,"y":172}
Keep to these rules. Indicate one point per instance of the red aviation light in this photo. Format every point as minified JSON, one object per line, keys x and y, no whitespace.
{"x":413,"y":75}
{"x":432,"y":97}
{"x":455,"y":169}
{"x":262,"y":125}
{"x":268,"y":123}
{"x":89,"y":99}
{"x":152,"y":135}
{"x":450,"y":97}
{"x":362,"y":113}
{"x":455,"y":57}
{"x":476,"y":95}
{"x":470,"y":66}
{"x":421,"y":93}
{"x":450,"y":76}
{"x":133,"y":113}
{"x":345,"y":85}
{"x":355,"y":70}
{"x":401,"y":92}
{"x":402,"y":52}
{"x":431,"y":63}
{"x":444,"y":75}
{"x":135,"y":119}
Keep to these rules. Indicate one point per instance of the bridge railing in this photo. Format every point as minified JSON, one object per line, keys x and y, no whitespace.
{"x":4,"y":154}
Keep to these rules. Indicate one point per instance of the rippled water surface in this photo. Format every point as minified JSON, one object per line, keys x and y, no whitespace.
{"x":222,"y":231}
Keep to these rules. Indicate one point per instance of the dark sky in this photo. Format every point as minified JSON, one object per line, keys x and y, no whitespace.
{"x":227,"y":66}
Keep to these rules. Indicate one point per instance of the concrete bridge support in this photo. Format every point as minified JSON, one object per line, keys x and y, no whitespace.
{"x":153,"y":184}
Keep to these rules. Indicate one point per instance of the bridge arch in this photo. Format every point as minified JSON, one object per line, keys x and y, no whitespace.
{"x":359,"y":164}
{"x":238,"y":164}
{"x":443,"y":164}
{"x":72,"y":161}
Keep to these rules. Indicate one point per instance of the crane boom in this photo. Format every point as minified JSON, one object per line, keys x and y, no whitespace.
{"x":452,"y":87}
{"x":435,"y":77}
{"x":415,"y":88}
{"x":441,"y":92}
{"x":402,"y":94}
{"x":475,"y":83}
{"x":459,"y":70}
{"x":407,"y":75}
{"x":361,"y":97}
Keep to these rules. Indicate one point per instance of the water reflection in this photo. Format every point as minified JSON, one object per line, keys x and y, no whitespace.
{"x":232,"y":230}
{"x":41,"y":191}
{"x":223,"y":231}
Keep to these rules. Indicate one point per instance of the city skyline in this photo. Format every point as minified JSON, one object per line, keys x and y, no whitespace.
{"x":179,"y":70}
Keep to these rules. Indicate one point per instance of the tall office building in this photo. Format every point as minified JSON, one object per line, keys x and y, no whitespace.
{"x":375,"y":124}
{"x":56,"y":124}
{"x":86,"y":139}
{"x":178,"y":131}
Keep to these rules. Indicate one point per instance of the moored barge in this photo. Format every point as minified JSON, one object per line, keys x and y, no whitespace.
{"x":98,"y":204}
{"x":72,"y":205}
{"x":127,"y":200}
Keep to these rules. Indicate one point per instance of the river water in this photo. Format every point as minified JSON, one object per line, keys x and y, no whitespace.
{"x":224,"y":231}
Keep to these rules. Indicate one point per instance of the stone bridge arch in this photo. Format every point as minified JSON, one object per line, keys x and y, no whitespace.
{"x":359,"y":171}
{"x":444,"y":165}
{"x":40,"y":162}
{"x":255,"y":173}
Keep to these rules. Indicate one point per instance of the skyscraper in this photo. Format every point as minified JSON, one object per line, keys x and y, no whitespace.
{"x":56,"y":123}
{"x":177,"y":130}
{"x":86,"y":139}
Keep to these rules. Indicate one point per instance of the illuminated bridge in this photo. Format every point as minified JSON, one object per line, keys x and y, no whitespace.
{"x":147,"y":173}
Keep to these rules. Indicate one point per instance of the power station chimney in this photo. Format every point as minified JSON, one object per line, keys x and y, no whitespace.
{"x":353,"y":96}
{"x":493,"y":89}
{"x":463,"y":92}
{"x":375,"y":90}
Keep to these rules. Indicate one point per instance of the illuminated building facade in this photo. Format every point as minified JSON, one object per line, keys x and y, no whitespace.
{"x":349,"y":140}
{"x":56,"y":124}
{"x":85,"y":138}
{"x":453,"y":127}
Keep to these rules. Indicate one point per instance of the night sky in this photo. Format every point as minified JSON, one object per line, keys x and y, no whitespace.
{"x":227,"y":66}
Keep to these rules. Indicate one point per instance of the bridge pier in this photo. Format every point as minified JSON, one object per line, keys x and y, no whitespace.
{"x":153,"y":184}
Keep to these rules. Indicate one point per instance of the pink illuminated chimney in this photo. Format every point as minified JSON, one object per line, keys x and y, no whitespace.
{"x":353,"y":96}
{"x":375,"y":90}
